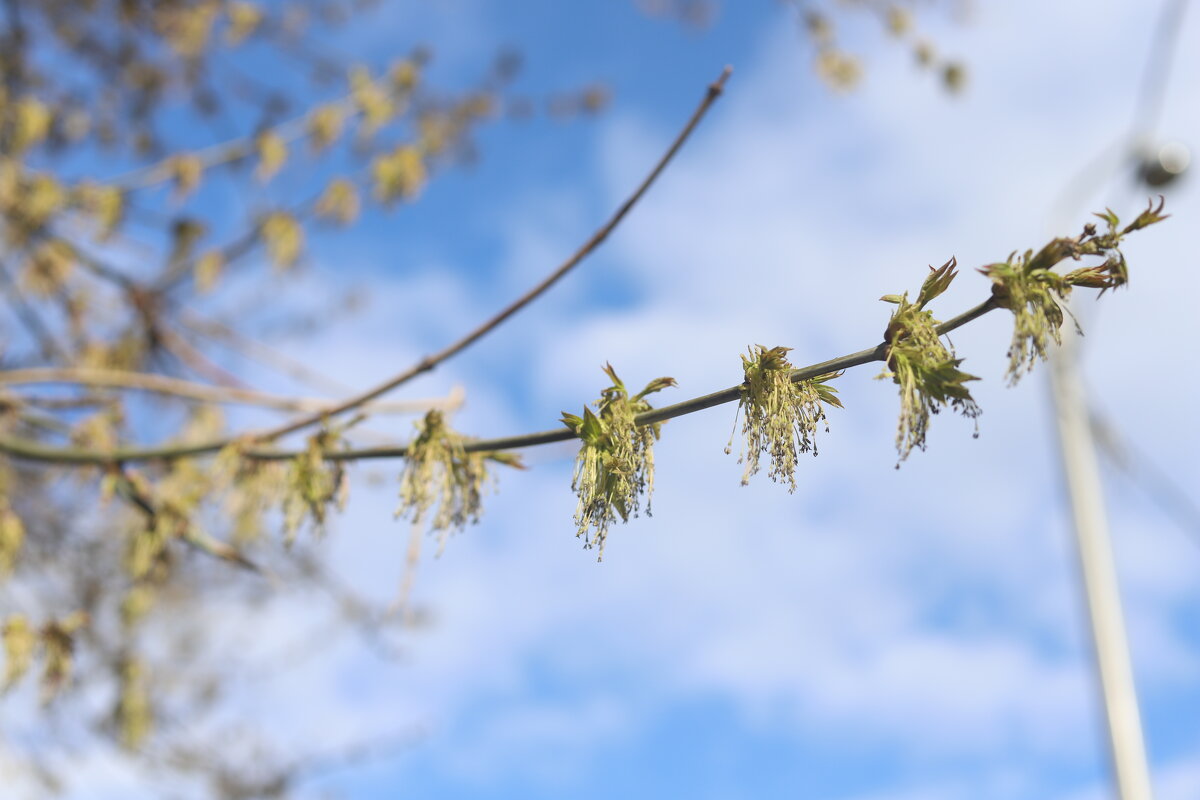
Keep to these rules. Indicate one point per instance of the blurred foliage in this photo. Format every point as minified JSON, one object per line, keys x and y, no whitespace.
{"x":150,"y":154}
{"x":841,"y":67}
{"x":695,"y":13}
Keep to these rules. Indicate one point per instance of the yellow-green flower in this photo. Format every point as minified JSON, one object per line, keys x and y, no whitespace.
{"x":439,"y":472}
{"x":1028,"y":286}
{"x":780,"y":416}
{"x":615,"y":465}
{"x":925,"y":369}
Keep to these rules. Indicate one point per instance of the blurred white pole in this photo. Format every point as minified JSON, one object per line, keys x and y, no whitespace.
{"x":1099,"y":573}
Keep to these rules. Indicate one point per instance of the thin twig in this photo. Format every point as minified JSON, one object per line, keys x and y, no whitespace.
{"x":429,"y":362}
{"x":96,"y":266}
{"x":34,"y":451}
{"x":64,"y":403}
{"x":235,"y":149}
{"x":29,"y":317}
{"x":207,"y":393}
{"x":191,"y":357}
{"x":259,"y":352}
{"x":179,"y":271}
{"x":400,"y":605}
{"x":128,"y":489}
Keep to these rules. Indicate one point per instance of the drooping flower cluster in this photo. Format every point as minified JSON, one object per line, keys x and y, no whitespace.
{"x":1028,"y":286}
{"x":780,"y":415}
{"x":615,"y":465}
{"x":439,"y":471}
{"x":1033,"y":297}
{"x":314,"y":483}
{"x":925,"y":369}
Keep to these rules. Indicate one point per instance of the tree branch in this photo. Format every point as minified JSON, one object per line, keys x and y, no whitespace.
{"x":129,"y":490}
{"x":234,"y":149}
{"x":207,"y":393}
{"x":34,"y":451}
{"x":430,"y":362}
{"x":28,"y":316}
{"x":259,"y":352}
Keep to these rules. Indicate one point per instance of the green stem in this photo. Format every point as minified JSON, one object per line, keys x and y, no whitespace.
{"x":34,"y":451}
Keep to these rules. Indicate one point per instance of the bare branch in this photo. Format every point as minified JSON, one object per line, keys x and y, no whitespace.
{"x":257,"y":351}
{"x":429,"y":362}
{"x":128,"y":489}
{"x":37,"y":327}
{"x":35,"y":451}
{"x":207,"y":393}
{"x":232,"y":150}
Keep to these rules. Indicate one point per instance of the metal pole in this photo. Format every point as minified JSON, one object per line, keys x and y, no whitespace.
{"x":1099,"y":574}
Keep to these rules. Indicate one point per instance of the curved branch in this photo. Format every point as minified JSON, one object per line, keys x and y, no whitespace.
{"x":129,"y":490}
{"x":34,"y":451}
{"x":207,"y":393}
{"x":428,"y":363}
{"x":38,"y":329}
{"x":257,"y":351}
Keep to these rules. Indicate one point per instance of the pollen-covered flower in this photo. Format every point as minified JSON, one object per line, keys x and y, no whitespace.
{"x":439,"y":471}
{"x":925,"y":369}
{"x":443,"y":478}
{"x":780,"y":416}
{"x":615,"y":465}
{"x":313,"y":484}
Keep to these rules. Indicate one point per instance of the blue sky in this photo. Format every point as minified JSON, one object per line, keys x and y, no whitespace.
{"x":879,"y":634}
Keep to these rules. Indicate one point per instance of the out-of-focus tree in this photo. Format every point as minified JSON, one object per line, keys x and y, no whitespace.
{"x":125,"y":127}
{"x":841,"y":67}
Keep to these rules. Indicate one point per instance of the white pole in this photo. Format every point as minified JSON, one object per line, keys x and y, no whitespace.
{"x":1099,"y":574}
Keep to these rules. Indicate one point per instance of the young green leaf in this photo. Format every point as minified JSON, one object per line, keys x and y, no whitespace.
{"x":925,"y":369}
